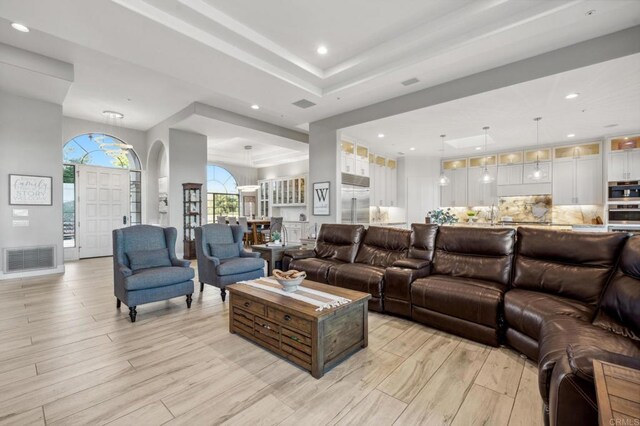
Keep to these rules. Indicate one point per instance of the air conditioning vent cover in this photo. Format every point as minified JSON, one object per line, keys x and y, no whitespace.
{"x":304,"y":103}
{"x":29,"y":258}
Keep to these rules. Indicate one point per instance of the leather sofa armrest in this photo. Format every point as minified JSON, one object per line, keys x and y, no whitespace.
{"x":244,"y":253}
{"x":398,"y":281}
{"x":300,"y":253}
{"x":411,"y":263}
{"x":581,"y":359}
{"x":180,"y":263}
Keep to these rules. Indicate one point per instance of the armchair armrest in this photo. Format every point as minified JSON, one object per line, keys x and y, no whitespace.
{"x":581,"y":360}
{"x":180,"y":263}
{"x":124,"y":271}
{"x":411,"y":263}
{"x":300,"y":253}
{"x":244,"y":253}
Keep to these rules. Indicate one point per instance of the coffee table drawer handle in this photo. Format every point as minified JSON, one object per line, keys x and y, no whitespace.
{"x":266,"y":326}
{"x":247,"y":304}
{"x":287,"y":318}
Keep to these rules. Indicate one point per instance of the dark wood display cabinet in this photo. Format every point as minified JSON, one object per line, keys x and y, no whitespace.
{"x":192,"y":213}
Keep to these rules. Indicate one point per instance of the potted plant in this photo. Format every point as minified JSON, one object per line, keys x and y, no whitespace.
{"x":442,"y":217}
{"x":275,"y":237}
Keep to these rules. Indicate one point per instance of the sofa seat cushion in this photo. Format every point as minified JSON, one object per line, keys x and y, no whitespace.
{"x":317,"y":269}
{"x":470,"y":299}
{"x":559,"y":332}
{"x":526,"y":310}
{"x":239,"y":265}
{"x":360,"y":277}
{"x":157,"y":277}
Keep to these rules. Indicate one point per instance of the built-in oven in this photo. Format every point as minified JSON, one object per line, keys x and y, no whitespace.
{"x":624,"y":214}
{"x":633,"y":230}
{"x":624,"y":190}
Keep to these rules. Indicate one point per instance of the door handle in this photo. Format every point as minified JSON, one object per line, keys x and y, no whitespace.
{"x":124,"y":220}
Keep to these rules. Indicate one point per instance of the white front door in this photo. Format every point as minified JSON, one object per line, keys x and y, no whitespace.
{"x":103,"y":205}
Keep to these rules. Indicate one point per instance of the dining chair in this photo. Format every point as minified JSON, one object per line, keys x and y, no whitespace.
{"x":248,"y":234}
{"x":221,"y":220}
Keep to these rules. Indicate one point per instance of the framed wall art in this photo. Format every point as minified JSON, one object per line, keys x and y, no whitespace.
{"x":321,"y":196}
{"x":30,"y":190}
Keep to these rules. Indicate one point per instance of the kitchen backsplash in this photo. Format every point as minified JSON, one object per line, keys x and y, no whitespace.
{"x":535,"y":208}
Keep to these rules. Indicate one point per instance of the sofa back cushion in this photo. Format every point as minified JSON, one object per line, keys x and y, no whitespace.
{"x":620,"y":306}
{"x":423,"y":241}
{"x":383,"y":246}
{"x":570,"y":264}
{"x":340,"y":242}
{"x":146,"y":259}
{"x":479,"y":253}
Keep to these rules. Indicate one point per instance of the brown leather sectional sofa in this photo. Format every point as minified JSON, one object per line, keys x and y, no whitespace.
{"x":561,"y":298}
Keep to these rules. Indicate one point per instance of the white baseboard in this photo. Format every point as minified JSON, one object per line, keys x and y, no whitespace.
{"x":35,"y":273}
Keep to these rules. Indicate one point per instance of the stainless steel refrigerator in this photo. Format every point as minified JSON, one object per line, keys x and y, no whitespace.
{"x":355,"y":199}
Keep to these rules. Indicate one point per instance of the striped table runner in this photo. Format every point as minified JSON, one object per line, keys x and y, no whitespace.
{"x":320,"y":299}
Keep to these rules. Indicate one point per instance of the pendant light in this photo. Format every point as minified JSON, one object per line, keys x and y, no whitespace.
{"x":486,"y":176}
{"x":537,"y":174}
{"x":443,"y":180}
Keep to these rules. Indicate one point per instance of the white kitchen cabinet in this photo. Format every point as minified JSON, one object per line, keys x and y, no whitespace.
{"x":480,"y":193}
{"x":391,"y":181}
{"x":577,"y":175}
{"x":510,"y":174}
{"x":624,"y":165}
{"x":455,"y":193}
{"x":379,"y":191}
{"x":545,"y":170}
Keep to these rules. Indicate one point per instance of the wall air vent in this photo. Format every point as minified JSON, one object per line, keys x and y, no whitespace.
{"x":29,"y":258}
{"x":304,"y":104}
{"x":410,"y":81}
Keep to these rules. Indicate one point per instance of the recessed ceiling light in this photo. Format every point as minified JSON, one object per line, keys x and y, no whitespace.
{"x":113,"y":114}
{"x":478,"y":148}
{"x":572,"y":95}
{"x":322,"y":50}
{"x":571,"y":135}
{"x":20,"y":27}
{"x":412,"y":149}
{"x":381,"y":135}
{"x":255,"y":106}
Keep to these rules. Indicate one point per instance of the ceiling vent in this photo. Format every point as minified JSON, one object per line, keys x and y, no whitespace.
{"x":410,"y":81}
{"x":304,"y":104}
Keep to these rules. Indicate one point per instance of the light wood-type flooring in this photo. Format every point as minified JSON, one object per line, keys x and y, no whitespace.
{"x":69,"y":357}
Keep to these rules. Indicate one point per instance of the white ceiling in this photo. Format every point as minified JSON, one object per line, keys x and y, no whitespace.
{"x":609,"y":94}
{"x":226,"y":142}
{"x":165,"y":54}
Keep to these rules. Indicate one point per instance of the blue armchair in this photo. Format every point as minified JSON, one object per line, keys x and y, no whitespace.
{"x":222,"y":259}
{"x":146,"y":269}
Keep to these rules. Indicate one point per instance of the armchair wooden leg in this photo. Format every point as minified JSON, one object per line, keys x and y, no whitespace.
{"x":189,"y":301}
{"x":118,"y":303}
{"x":132,"y":313}
{"x":223,"y":294}
{"x":201,"y":286}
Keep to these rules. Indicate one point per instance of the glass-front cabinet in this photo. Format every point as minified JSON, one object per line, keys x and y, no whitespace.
{"x":263,"y":198}
{"x":281,"y":192}
{"x":354,"y":158}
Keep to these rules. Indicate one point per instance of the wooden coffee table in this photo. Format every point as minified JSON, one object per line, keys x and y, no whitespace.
{"x":618,"y":393}
{"x":314,"y":340}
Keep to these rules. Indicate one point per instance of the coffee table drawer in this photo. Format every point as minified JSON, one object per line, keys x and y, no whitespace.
{"x":249,"y":305}
{"x":289,"y":320}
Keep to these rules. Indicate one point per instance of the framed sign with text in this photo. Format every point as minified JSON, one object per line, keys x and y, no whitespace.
{"x":321,"y":205}
{"x":28,"y":190}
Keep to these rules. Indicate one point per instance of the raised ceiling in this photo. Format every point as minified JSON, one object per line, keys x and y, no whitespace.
{"x":609,"y":94}
{"x":232,"y":54}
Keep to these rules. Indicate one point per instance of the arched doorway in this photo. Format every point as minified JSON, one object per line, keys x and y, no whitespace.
{"x":102,"y":191}
{"x":223,"y":198}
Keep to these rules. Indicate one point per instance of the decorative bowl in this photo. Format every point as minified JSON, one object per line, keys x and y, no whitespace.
{"x":290,"y":284}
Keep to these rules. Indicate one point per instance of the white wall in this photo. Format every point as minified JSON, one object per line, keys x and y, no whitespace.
{"x":30,"y":134}
{"x":187,"y":164}
{"x":418,"y":186}
{"x":324,"y":166}
{"x":283,"y":170}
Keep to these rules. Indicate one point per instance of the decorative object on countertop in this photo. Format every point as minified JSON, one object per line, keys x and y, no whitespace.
{"x":443,"y":180}
{"x":275,"y":237}
{"x":486,"y":177}
{"x":289,"y":280}
{"x":472,"y":216}
{"x":442,"y":217}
